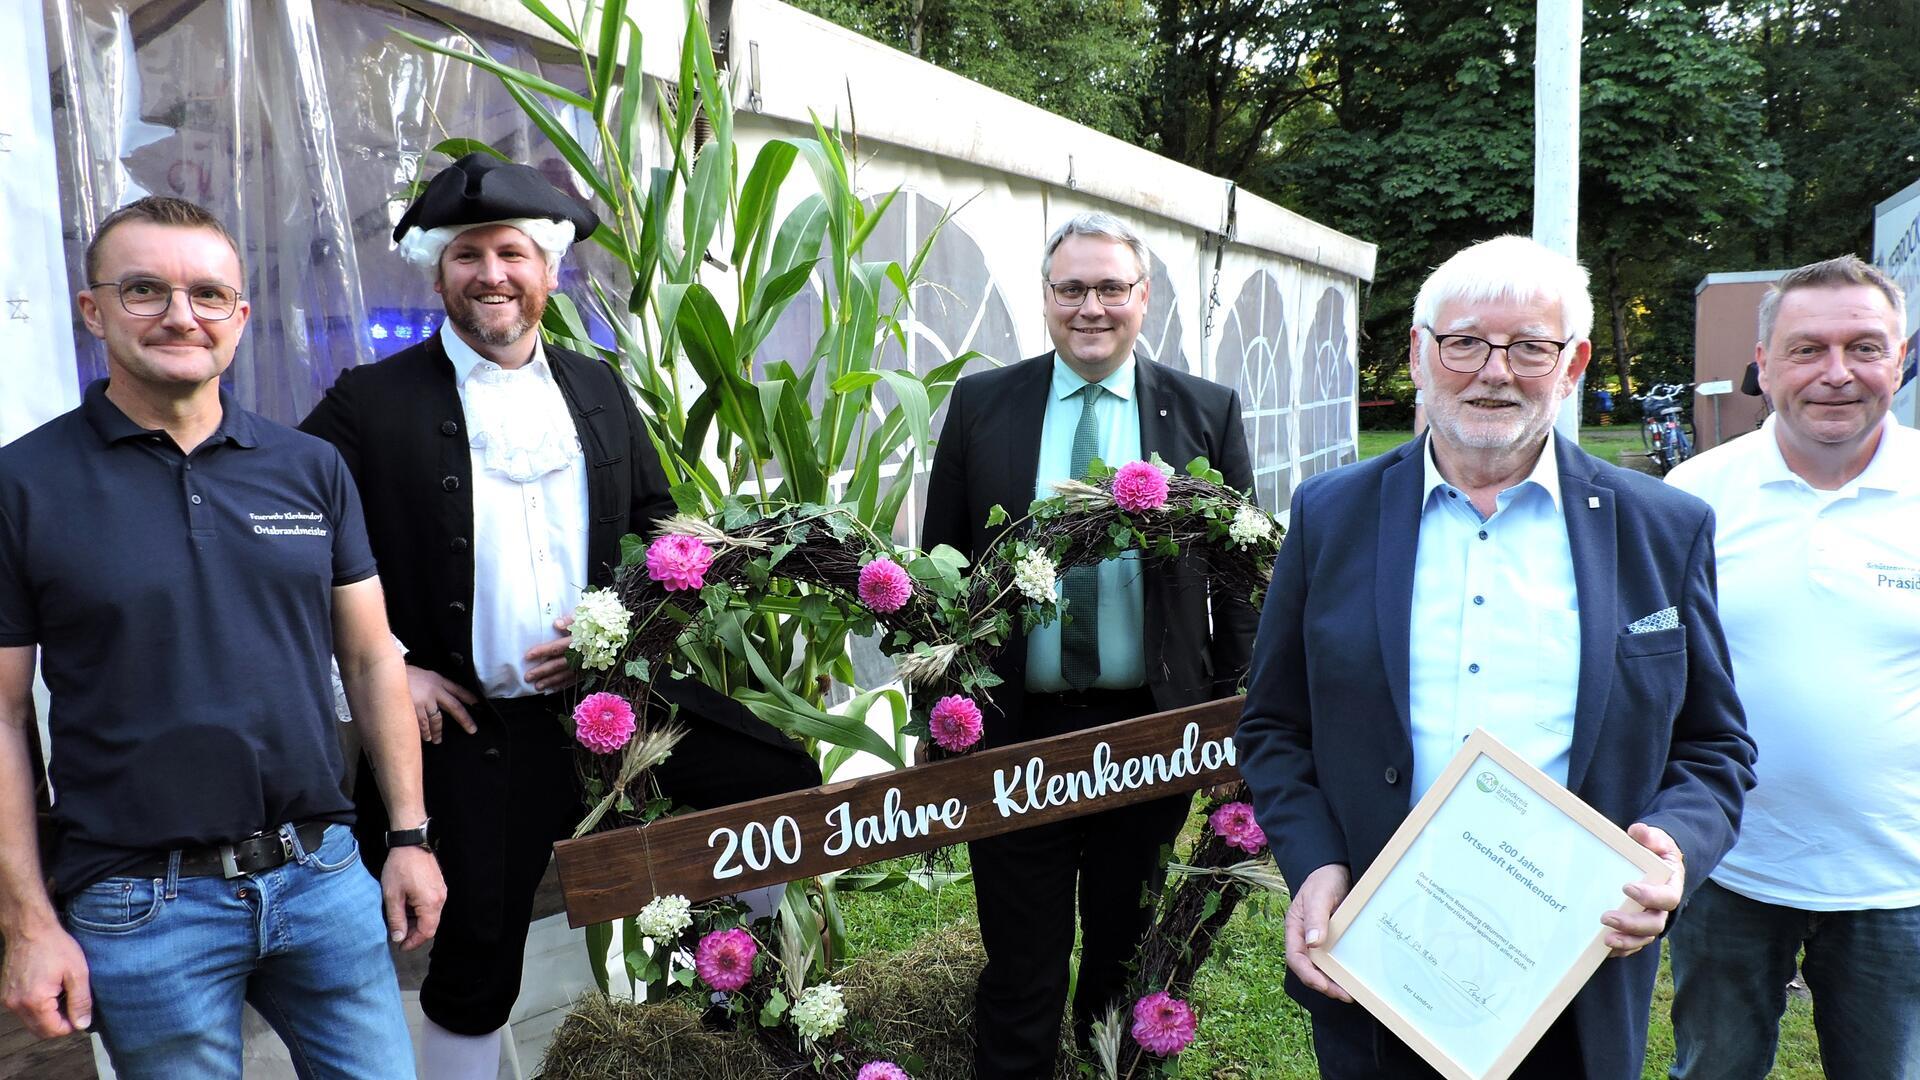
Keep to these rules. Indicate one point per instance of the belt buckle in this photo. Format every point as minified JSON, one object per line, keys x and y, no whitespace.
{"x":230,"y":865}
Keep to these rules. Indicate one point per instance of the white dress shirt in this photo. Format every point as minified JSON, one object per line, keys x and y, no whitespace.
{"x":529,"y":510}
{"x":1495,"y":632}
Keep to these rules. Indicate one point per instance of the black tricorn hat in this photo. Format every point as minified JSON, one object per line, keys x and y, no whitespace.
{"x":481,"y":188}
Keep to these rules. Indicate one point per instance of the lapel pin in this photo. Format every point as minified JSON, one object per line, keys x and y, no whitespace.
{"x":1593,"y":502}
{"x":1163,"y":412}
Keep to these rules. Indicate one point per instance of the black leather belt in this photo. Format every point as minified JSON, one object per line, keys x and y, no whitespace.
{"x":257,"y":853}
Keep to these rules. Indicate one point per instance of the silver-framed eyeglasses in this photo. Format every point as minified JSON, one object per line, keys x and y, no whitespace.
{"x":151,"y":296}
{"x":1072,"y":294}
{"x":1528,"y":358}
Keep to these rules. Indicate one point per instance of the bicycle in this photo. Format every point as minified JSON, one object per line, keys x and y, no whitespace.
{"x":1663,"y":431}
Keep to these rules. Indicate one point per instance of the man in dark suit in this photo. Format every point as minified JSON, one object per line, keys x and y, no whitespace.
{"x":1137,"y":639}
{"x":1489,"y":575}
{"x":499,"y":474}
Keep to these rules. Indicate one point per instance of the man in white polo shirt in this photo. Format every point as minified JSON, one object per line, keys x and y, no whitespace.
{"x":1818,"y":542}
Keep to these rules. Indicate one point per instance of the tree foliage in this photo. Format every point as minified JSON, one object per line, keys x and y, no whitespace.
{"x":1078,"y":58}
{"x":1717,"y":135}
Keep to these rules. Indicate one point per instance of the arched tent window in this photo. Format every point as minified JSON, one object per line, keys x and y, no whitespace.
{"x":1326,"y":389}
{"x":1253,"y":358}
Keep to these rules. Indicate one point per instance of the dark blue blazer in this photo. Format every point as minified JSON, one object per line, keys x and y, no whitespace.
{"x":1658,"y":734}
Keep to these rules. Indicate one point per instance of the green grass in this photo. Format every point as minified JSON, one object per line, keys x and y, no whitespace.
{"x":1249,"y":1028}
{"x":1604,"y":443}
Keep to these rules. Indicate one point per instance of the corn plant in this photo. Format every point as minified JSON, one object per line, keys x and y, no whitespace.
{"x":726,"y":436}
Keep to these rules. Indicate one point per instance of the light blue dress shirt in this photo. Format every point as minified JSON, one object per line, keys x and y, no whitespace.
{"x":1495,"y":633}
{"x":1123,"y":596}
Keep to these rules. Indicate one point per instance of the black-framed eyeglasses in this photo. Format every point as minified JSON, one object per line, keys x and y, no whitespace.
{"x":1072,"y":294}
{"x":151,"y":296}
{"x":1528,"y":358}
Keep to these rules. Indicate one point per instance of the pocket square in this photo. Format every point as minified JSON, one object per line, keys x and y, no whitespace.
{"x":1664,"y":619}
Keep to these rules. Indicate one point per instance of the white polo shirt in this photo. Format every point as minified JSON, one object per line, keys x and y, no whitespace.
{"x":1820,"y":600}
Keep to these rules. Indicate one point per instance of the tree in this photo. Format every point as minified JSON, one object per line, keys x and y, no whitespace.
{"x":1424,"y":146}
{"x":1229,"y":74}
{"x":1078,"y":58}
{"x":1673,"y":166}
{"x":1839,"y":84}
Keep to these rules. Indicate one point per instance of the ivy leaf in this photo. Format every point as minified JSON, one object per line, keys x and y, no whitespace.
{"x":735,"y":513}
{"x":774,"y":1009}
{"x":1210,"y":906}
{"x":997,"y":515}
{"x":633,"y":550}
{"x":779,"y":551}
{"x":639,"y":669}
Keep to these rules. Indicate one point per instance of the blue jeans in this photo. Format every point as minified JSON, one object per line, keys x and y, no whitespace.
{"x":172,"y":958}
{"x":1733,"y":957}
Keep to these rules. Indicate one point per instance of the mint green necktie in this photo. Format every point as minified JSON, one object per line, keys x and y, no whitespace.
{"x":1080,"y":637}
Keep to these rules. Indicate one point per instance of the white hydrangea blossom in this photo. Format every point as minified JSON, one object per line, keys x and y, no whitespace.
{"x":664,"y":918}
{"x":1034,"y":575}
{"x":820,"y":1012}
{"x":1250,"y":524}
{"x":600,"y":628}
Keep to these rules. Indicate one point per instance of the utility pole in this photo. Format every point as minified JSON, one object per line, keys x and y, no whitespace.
{"x":1556,"y":151}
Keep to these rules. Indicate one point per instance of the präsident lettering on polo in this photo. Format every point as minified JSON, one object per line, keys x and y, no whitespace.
{"x":1020,"y":789}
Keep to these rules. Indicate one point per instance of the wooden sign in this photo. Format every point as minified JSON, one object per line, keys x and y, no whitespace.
{"x":712,"y":853}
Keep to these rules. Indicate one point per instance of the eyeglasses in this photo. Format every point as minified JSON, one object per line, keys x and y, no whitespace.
{"x":1072,"y":294}
{"x":1528,"y":358}
{"x":1859,"y":354}
{"x":151,"y":296}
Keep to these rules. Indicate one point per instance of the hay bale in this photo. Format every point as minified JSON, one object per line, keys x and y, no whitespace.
{"x":919,"y":1002}
{"x":916,"y":1003}
{"x":609,"y":1039}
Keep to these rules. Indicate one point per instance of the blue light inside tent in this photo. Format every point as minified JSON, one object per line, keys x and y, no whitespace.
{"x":394,"y":328}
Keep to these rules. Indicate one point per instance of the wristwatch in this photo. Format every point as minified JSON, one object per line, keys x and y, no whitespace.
{"x":420,"y":836}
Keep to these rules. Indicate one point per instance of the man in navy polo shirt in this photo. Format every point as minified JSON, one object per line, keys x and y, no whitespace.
{"x":184,"y":567}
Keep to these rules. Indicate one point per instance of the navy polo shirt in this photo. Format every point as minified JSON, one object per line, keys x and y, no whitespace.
{"x":183,"y":606}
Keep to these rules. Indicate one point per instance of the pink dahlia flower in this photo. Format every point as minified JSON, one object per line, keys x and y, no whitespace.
{"x":1138,"y":486}
{"x":884,"y":587}
{"x":882,"y":1070}
{"x":955,"y":722}
{"x":679,"y":562}
{"x":1163,"y":1024}
{"x":724,"y":959}
{"x":1235,"y":824}
{"x":603,"y":722}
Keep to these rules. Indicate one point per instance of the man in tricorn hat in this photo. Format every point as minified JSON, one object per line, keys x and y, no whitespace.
{"x":499,"y":474}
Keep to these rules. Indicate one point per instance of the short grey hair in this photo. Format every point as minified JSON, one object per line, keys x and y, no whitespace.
{"x":1101,"y":224}
{"x":1515,"y":268}
{"x":1832,"y":274}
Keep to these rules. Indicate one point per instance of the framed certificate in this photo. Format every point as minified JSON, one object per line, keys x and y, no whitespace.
{"x":1480,"y":920}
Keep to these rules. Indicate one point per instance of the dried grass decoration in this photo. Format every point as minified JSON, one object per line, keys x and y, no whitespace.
{"x":725,"y":579}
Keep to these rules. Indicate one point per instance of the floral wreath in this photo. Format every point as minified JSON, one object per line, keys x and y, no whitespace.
{"x":944,"y":631}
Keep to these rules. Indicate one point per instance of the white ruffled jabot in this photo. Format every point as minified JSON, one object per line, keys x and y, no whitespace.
{"x":519,"y":422}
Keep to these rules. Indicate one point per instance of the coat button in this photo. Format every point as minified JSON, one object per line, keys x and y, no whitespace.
{"x":449,"y":483}
{"x":491,"y":753}
{"x":457,"y":607}
{"x":449,"y":427}
{"x":457,"y":658}
{"x":459,"y":543}
{"x":1393,"y":775}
